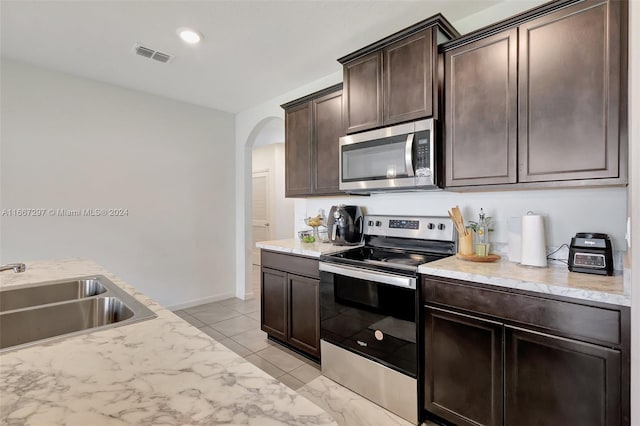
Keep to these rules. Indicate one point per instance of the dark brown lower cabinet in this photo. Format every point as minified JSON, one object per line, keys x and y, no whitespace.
{"x":274,"y":302}
{"x":516,"y":358}
{"x":290,"y":301}
{"x":304,"y":311}
{"x":555,"y":381}
{"x":464,"y":368}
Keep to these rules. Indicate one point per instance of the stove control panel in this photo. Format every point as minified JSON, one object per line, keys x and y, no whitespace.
{"x":402,"y":224}
{"x":422,"y":227}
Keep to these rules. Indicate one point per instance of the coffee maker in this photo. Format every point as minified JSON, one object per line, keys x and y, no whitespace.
{"x":345,"y":225}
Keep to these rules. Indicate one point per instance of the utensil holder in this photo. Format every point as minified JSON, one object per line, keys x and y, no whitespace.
{"x":465,"y":244}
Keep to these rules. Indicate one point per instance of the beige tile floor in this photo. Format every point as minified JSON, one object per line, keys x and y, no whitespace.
{"x":236,"y":324}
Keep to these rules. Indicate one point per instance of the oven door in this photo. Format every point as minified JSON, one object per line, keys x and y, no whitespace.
{"x":370,"y":313}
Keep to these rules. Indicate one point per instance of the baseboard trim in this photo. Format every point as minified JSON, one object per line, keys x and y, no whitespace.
{"x":202,"y":301}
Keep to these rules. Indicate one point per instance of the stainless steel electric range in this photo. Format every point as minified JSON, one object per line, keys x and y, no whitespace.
{"x":368,"y":305}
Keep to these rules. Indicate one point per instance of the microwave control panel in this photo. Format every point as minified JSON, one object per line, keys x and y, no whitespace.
{"x":423,"y":154}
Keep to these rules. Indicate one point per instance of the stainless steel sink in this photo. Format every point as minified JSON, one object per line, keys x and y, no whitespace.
{"x":43,"y":312}
{"x":49,"y":293}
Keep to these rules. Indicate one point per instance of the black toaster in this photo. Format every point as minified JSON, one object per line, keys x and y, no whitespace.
{"x":591,"y":253}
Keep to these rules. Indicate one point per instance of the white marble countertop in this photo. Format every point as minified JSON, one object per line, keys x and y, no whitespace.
{"x":160,"y":371}
{"x":555,"y":279}
{"x":295,"y":246}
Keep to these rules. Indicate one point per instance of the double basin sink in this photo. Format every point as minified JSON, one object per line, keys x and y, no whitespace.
{"x":36,"y":313}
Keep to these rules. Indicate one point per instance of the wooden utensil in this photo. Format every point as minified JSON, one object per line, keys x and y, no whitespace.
{"x":455,"y":222}
{"x":456,"y":217}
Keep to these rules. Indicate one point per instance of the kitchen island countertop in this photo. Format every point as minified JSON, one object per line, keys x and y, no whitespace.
{"x":555,"y":279}
{"x":160,"y":371}
{"x":295,"y":246}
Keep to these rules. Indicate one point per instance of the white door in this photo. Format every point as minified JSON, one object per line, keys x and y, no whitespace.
{"x":261,"y":218}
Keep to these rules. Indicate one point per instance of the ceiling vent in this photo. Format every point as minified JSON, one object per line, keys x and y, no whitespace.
{"x":151,"y":54}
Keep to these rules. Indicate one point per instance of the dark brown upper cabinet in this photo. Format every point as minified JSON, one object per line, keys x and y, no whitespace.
{"x":395,"y":79}
{"x":362,"y":96}
{"x":327,"y":119}
{"x":570,"y":94}
{"x":481,"y":98}
{"x":313,"y":125}
{"x":539,"y":100}
{"x":409,"y":72}
{"x":298,"y":149}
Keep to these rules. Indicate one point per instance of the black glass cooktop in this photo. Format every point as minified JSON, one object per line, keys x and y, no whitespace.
{"x":383,"y":258}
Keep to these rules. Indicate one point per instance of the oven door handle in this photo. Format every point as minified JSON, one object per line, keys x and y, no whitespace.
{"x":376,"y":276}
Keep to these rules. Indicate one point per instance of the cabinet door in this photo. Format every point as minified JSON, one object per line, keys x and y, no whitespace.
{"x":297,"y":124}
{"x":273,"y":306}
{"x":362,"y":95}
{"x":463,"y":368}
{"x":569,"y":93}
{"x":328,"y":129}
{"x":304,"y":314}
{"x":481,"y":127}
{"x":554,"y":381}
{"x":408,"y":78}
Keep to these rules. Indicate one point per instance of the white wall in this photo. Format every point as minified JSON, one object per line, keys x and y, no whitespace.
{"x":634,"y":203}
{"x":567,"y":211}
{"x":73,"y":143}
{"x":271,"y":158}
{"x":502,"y":10}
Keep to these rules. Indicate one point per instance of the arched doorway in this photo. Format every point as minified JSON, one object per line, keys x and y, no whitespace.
{"x":267,"y":131}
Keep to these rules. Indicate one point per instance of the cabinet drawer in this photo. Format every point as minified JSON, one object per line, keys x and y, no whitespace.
{"x":577,"y":320}
{"x":300,"y":265}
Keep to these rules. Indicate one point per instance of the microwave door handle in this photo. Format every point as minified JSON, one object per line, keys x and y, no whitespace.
{"x":408,"y":155}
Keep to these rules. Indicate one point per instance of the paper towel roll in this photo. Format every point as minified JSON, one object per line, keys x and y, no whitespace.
{"x":534,"y":248}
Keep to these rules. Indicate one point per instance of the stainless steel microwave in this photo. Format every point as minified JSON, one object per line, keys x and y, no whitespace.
{"x":399,"y":158}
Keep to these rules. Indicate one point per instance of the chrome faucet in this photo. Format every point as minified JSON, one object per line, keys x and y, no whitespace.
{"x":17,"y":267}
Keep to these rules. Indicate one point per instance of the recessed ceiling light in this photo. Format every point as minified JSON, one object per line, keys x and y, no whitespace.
{"x":190,"y":36}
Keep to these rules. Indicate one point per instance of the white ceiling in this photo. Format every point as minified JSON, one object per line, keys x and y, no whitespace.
{"x":252,"y":50}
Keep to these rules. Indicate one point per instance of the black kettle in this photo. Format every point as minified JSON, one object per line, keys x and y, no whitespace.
{"x":345,"y":225}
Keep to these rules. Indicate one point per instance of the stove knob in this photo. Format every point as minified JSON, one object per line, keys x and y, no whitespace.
{"x":378,"y":223}
{"x":430,"y":226}
{"x":370,"y":223}
{"x":441,"y":226}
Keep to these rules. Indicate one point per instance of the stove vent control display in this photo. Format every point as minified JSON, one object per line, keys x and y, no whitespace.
{"x":404,"y":224}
